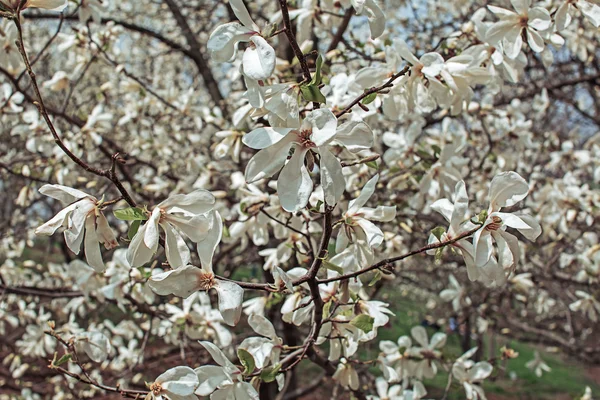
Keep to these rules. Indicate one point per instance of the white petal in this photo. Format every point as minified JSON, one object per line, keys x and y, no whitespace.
{"x":539,"y":19}
{"x":231,"y":297}
{"x":261,"y":138}
{"x":54,"y":5}
{"x":210,"y":378}
{"x":196,"y":228}
{"x":354,"y":135}
{"x":365,"y":194}
{"x":482,"y":244}
{"x":373,"y":233}
{"x":219,"y":357}
{"x":56,"y":222}
{"x":420,"y":335}
{"x":222,"y":43}
{"x":332,"y":178}
{"x":507,"y":189}
{"x":268,"y":161}
{"x":178,"y":254}
{"x":63,"y":194}
{"x":137,"y":252}
{"x":535,"y":41}
{"x":262,"y":326}
{"x":208,"y":246}
{"x":91,"y":245}
{"x":323,"y":124}
{"x":180,"y":381}
{"x":294,"y":185}
{"x":259,"y":62}
{"x":376,"y":18}
{"x":591,"y":11}
{"x":197,"y":202}
{"x":241,"y":12}
{"x":151,"y":233}
{"x":180,"y":282}
{"x":381,"y":213}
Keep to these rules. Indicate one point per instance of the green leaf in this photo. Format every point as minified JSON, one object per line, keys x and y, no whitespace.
{"x":363,"y":322}
{"x":317,"y":78}
{"x":438,"y":232}
{"x":375,"y":278}
{"x":131,"y":214}
{"x":439,"y":252}
{"x":247,"y":361}
{"x":226,"y":233}
{"x":482,"y":216}
{"x":423,"y":154}
{"x":372,"y":164}
{"x":327,"y":309}
{"x":368,"y":99}
{"x":63,"y":359}
{"x":333,"y":267}
{"x":135,"y":225}
{"x":436,"y":150}
{"x":269,"y":374}
{"x":312,"y":92}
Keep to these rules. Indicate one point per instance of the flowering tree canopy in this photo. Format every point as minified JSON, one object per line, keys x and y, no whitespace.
{"x":324,"y":166}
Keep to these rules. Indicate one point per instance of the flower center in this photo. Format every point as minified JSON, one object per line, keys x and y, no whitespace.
{"x":156,"y":388}
{"x":495,"y":224}
{"x":304,"y":138}
{"x":523,"y":20}
{"x":206,"y":281}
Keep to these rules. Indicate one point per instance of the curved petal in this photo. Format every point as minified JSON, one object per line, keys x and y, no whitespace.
{"x":323,"y":124}
{"x":181,"y":282}
{"x":56,"y":222}
{"x":294,"y":185}
{"x":181,"y":381}
{"x":178,"y":254}
{"x":376,"y":18}
{"x":259,"y":62}
{"x":365,"y":194}
{"x":222,"y":43}
{"x":210,"y":378}
{"x":264,"y":137}
{"x":332,"y":178}
{"x":241,"y":12}
{"x":137,"y":252}
{"x":354,"y":135}
{"x":208,"y":246}
{"x":92,"y":245}
{"x":63,"y":194}
{"x":268,"y":161}
{"x":151,"y":232}
{"x":197,"y":202}
{"x":507,"y":189}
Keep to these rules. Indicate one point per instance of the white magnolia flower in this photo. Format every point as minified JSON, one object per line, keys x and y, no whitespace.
{"x":95,"y":344}
{"x":177,"y":383}
{"x":56,"y":5}
{"x":455,"y":293}
{"x":316,"y":133}
{"x":510,"y":28}
{"x":184,"y":281}
{"x":471,"y":374}
{"x":587,"y":304}
{"x":372,"y":10}
{"x":427,"y":353}
{"x":506,"y":189}
{"x":82,"y":218}
{"x":60,"y":81}
{"x":357,"y":226}
{"x":184,"y":212}
{"x":259,"y":58}
{"x":265,"y":350}
{"x":224,"y":381}
{"x":591,"y":11}
{"x":538,"y":365}
{"x":346,"y":375}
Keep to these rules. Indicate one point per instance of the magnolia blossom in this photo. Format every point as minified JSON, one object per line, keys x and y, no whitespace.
{"x":427,"y":352}
{"x":471,"y":374}
{"x":455,"y":293}
{"x":317,"y":131}
{"x":506,"y":189}
{"x":346,"y":375}
{"x":82,"y":218}
{"x":56,"y":5}
{"x":372,"y":10}
{"x":178,"y":383}
{"x":509,"y":29}
{"x":178,"y":212}
{"x":591,"y":11}
{"x":538,"y":365}
{"x":357,"y":226}
{"x":259,"y":58}
{"x":586,"y":304}
{"x":184,"y":281}
{"x":224,"y":381}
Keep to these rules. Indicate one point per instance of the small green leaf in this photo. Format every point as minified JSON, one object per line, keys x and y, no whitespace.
{"x":269,"y":374}
{"x":372,"y":164}
{"x":438,"y":232}
{"x":436,"y":150}
{"x":482,"y":216}
{"x":312,"y":93}
{"x":363,"y":322}
{"x":327,"y":309}
{"x":439,"y":252}
{"x":317,"y":79}
{"x":63,"y":359}
{"x":333,"y":267}
{"x":131,"y":214}
{"x":247,"y":361}
{"x":423,"y":154}
{"x":135,"y":225}
{"x":368,"y":99}
{"x":226,"y":233}
{"x":375,"y":278}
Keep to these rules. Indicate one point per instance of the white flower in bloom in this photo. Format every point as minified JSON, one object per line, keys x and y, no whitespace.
{"x":357,"y":226}
{"x":506,"y":189}
{"x":428,"y":352}
{"x":177,"y":383}
{"x":511,"y":25}
{"x":224,"y":381}
{"x":263,"y":349}
{"x":95,"y":344}
{"x":60,"y":81}
{"x":372,"y":10}
{"x":471,"y":374}
{"x":591,"y":11}
{"x":82,"y":218}
{"x":56,"y":5}
{"x":586,"y":304}
{"x":186,"y":280}
{"x":316,"y":133}
{"x":455,"y":294}
{"x":538,"y":365}
{"x":259,"y":58}
{"x":184,"y":212}
{"x":346,"y":375}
